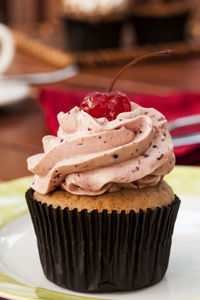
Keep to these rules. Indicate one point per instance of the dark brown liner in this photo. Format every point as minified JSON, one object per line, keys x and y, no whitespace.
{"x":160,"y":29}
{"x":101,"y":251}
{"x":85,"y":35}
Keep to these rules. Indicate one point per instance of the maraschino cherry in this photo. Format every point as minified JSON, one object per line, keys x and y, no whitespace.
{"x":111,"y":103}
{"x":108,"y":104}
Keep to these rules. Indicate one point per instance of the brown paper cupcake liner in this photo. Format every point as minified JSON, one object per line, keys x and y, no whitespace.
{"x":85,"y":35}
{"x":101,"y":251}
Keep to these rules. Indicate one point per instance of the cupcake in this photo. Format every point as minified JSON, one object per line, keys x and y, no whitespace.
{"x":102,"y":213}
{"x":160,"y":22}
{"x":94,"y":24}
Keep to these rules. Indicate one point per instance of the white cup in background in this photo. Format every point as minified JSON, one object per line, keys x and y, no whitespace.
{"x":10,"y":91}
{"x":7,"y":48}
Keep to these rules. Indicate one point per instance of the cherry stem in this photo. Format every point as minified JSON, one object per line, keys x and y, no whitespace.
{"x":136,"y":60}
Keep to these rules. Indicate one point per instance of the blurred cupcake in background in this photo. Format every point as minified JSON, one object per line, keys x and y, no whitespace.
{"x":94,"y":24}
{"x":159,"y":21}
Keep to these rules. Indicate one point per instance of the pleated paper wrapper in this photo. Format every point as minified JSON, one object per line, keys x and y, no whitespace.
{"x":100,"y":251}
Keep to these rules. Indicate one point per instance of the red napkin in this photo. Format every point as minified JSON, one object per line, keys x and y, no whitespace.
{"x":172,"y":106}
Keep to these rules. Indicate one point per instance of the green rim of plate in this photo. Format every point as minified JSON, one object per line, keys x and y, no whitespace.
{"x":184,"y":180}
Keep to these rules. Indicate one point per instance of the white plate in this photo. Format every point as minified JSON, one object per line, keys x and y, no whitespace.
{"x":21,"y":274}
{"x":12,"y":92}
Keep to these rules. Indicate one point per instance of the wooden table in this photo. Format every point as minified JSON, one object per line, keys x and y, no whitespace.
{"x":22,"y":125}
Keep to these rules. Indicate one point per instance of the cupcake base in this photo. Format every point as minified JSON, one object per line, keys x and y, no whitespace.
{"x":101,"y":251}
{"x":152,"y":30}
{"x":160,"y":23}
{"x":84,"y":36}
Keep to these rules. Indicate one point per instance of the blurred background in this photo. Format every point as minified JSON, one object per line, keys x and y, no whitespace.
{"x":59,"y":50}
{"x":27,"y":11}
{"x":178,"y":18}
{"x":101,"y":24}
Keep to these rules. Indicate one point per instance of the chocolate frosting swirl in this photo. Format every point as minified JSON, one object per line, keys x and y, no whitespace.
{"x":92,"y":156}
